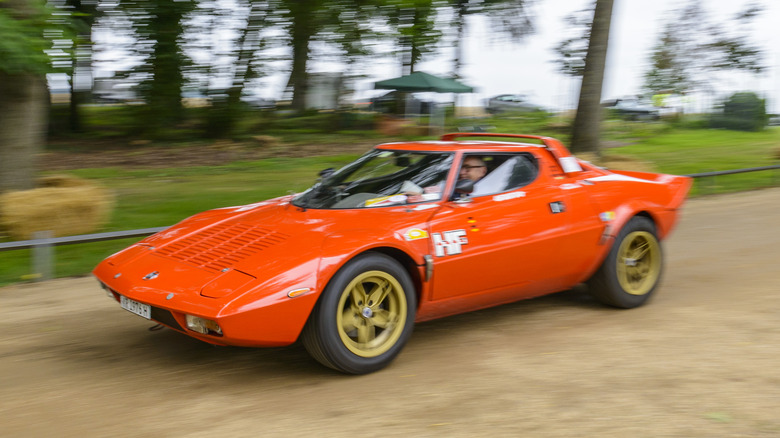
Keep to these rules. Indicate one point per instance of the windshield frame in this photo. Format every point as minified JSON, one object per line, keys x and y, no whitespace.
{"x":423,"y":165}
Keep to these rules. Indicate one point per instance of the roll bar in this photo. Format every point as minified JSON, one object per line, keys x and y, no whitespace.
{"x":565,"y":159}
{"x":453,"y":135}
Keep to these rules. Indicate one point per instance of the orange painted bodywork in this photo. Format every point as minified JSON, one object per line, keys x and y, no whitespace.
{"x":237,"y":265}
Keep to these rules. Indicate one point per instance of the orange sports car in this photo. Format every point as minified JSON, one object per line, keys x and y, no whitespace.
{"x":406,"y":233}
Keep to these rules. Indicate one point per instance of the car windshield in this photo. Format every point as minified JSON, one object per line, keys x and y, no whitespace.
{"x":381,"y":178}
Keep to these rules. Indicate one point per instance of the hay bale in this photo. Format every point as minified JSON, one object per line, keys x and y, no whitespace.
{"x":65,"y":205}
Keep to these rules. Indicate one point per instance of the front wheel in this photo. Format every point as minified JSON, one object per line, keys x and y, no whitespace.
{"x":364,"y":316}
{"x":632,"y":269}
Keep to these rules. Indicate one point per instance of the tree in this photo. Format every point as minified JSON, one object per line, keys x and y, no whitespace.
{"x":587,"y":122}
{"x":508,"y":17}
{"x":163,"y":92}
{"x":572,"y":51}
{"x":414,"y":23}
{"x":691,"y":48}
{"x":250,"y":19}
{"x":157,"y":28}
{"x":82,"y":20}
{"x":305,"y":18}
{"x":23,"y":91}
{"x":341,"y":23}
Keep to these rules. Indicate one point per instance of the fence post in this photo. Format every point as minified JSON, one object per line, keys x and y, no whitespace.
{"x":710,"y":183}
{"x":42,"y":256}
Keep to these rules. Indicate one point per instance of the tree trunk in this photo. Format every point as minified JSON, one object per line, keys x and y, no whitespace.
{"x":406,"y":40}
{"x":22,"y":128}
{"x":81,"y":58}
{"x":77,"y":98}
{"x":299,"y":78}
{"x":460,"y":29}
{"x":302,"y":31}
{"x":223,"y":113}
{"x":164,"y":98}
{"x":587,"y":122}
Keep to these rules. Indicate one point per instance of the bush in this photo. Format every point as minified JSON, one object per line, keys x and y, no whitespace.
{"x":742,"y":112}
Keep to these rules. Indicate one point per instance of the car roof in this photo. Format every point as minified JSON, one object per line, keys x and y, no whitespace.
{"x":449,"y":143}
{"x":453,"y":146}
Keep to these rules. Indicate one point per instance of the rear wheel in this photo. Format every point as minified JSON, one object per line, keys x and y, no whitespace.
{"x":364,"y":316}
{"x":632,"y":269}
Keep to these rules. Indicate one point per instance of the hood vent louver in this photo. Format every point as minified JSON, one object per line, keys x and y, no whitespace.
{"x":222,"y":246}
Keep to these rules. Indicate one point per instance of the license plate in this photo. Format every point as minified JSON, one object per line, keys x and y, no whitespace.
{"x":139,"y":309}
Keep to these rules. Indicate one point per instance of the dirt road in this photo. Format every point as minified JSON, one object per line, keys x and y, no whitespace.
{"x":702,"y":359}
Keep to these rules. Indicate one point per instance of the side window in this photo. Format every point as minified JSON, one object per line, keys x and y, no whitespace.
{"x":524,"y":172}
{"x":505,"y":173}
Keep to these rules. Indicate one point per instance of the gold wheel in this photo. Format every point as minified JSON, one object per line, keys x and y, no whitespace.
{"x":638,"y":262}
{"x":372,"y":313}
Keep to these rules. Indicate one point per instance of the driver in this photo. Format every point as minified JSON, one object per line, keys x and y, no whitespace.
{"x":473,"y":168}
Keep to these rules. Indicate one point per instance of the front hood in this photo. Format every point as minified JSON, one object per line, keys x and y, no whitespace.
{"x":217,"y":252}
{"x":265,"y":247}
{"x":230,"y":237}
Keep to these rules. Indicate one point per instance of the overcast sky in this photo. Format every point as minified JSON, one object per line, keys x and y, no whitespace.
{"x":527,"y":68}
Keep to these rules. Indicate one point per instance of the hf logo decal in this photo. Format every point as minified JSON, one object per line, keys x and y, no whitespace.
{"x":449,"y":242}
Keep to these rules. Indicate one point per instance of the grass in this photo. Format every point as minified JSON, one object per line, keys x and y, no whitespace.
{"x":161,"y":197}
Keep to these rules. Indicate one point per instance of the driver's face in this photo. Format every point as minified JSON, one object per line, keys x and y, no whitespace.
{"x":473,"y":168}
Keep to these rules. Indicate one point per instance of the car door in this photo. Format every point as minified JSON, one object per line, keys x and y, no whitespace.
{"x":506,"y":240}
{"x":588,"y":223}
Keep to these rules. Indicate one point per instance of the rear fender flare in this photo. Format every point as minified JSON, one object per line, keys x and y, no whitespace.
{"x":622,"y":214}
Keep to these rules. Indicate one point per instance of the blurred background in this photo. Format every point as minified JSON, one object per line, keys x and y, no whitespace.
{"x":327,"y":54}
{"x":518,"y":54}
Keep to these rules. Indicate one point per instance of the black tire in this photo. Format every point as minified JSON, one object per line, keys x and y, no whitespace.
{"x":364,"y":317}
{"x":630,"y":274}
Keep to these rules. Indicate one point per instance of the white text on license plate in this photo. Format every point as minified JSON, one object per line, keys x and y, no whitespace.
{"x":139,"y":309}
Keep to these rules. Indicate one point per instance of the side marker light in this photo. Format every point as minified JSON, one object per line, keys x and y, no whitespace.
{"x":298,"y":292}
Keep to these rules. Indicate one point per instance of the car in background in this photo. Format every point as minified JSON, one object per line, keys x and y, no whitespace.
{"x":258,"y":102}
{"x":115,"y":91}
{"x":510,"y":102}
{"x":398,"y":237}
{"x":633,"y":109}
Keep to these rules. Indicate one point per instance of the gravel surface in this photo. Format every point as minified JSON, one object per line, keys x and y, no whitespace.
{"x":700,"y":360}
